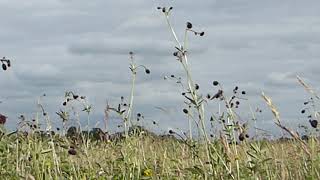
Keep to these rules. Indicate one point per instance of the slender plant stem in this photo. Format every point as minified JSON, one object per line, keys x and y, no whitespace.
{"x":129,"y":113}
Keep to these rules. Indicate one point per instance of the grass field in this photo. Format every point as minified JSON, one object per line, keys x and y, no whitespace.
{"x":71,"y":153}
{"x":144,"y":156}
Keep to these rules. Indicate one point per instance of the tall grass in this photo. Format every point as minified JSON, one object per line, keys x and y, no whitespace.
{"x":31,"y":153}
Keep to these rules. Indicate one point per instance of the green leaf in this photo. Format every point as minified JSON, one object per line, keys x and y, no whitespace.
{"x":254,"y":156}
{"x":46,"y":151}
{"x":196,"y":171}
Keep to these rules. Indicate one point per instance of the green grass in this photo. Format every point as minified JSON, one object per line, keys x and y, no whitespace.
{"x":154,"y":157}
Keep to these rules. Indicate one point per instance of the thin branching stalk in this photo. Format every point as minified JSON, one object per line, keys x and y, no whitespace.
{"x":130,"y":109}
{"x":198,"y":104}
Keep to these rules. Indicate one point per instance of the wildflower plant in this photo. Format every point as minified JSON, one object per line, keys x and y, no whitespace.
{"x":5,"y":63}
{"x":124,"y":110}
{"x":192,"y":95}
{"x":181,"y":53}
{"x":196,"y":101}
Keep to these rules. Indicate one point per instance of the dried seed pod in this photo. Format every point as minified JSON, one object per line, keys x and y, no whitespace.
{"x":231,"y":105}
{"x":3,"y":119}
{"x":4,"y":67}
{"x":242,"y":136}
{"x":215,"y":83}
{"x":72,"y":151}
{"x":189,"y":25}
{"x":313,"y":123}
{"x":196,"y":86}
{"x":218,"y":94}
{"x":185,"y":111}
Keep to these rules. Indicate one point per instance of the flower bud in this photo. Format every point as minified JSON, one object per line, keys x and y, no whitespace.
{"x":189,"y":25}
{"x":4,"y":67}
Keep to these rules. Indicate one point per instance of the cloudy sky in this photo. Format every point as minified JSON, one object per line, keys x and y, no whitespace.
{"x":82,"y":46}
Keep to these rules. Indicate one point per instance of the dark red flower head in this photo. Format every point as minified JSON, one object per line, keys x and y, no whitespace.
{"x":3,"y":119}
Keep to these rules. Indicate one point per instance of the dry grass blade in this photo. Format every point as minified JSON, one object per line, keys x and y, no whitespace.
{"x":225,"y":144}
{"x":307,"y":87}
{"x":272,"y":107}
{"x":276,"y":113}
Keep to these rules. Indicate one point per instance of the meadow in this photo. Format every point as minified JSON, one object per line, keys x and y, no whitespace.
{"x":31,"y":152}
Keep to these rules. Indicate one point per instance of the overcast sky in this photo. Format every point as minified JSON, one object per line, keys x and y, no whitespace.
{"x":82,"y":46}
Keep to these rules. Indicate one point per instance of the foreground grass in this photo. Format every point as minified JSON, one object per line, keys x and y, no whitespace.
{"x":153,"y":157}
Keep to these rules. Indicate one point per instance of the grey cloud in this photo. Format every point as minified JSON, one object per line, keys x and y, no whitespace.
{"x":145,"y":46}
